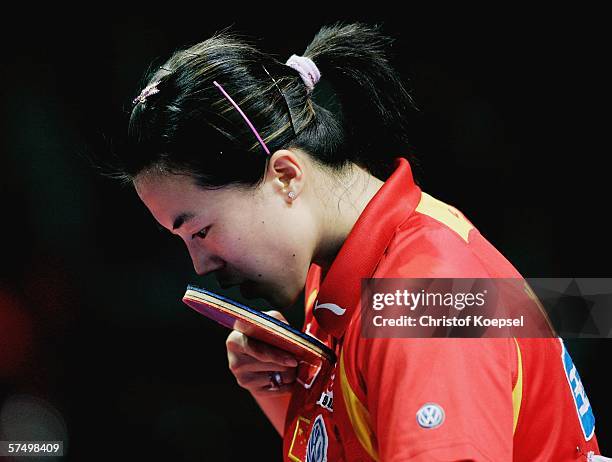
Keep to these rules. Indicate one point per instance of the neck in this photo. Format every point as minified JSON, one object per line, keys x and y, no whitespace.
{"x":348,"y":197}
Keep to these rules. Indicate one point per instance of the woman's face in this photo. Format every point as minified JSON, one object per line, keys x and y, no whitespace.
{"x":257,"y":238}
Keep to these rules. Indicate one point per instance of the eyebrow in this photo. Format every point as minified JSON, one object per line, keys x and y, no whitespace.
{"x":182,"y":219}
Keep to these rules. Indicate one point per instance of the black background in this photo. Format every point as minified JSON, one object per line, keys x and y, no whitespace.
{"x":90,"y":315}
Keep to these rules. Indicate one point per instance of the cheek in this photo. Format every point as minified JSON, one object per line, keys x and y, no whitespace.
{"x":266,"y":240}
{"x":254,"y":247}
{"x":288,"y":243}
{"x":237,"y":243}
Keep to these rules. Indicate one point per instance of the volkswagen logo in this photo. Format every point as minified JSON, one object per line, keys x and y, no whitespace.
{"x":431,"y":415}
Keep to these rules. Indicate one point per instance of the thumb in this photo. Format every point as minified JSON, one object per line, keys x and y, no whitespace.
{"x":276,"y":315}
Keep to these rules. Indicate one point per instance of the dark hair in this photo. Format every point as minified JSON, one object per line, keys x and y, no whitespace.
{"x":189,"y":127}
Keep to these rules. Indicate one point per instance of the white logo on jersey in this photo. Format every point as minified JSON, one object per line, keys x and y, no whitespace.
{"x":326,"y":401}
{"x":431,"y":415}
{"x":316,"y":450}
{"x":331,"y":307}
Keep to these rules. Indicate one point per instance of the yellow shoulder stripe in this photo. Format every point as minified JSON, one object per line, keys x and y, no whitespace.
{"x":358,"y":414}
{"x":517,"y":391}
{"x":311,"y":298}
{"x":445,"y":214}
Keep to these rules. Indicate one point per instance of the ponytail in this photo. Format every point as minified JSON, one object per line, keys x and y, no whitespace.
{"x":376,"y":107}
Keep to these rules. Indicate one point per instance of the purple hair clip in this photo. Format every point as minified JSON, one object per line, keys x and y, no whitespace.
{"x":148,"y":91}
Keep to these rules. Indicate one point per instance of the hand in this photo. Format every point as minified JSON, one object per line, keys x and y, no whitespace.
{"x":252,"y":362}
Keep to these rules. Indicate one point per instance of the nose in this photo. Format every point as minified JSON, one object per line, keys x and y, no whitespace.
{"x":203,"y":261}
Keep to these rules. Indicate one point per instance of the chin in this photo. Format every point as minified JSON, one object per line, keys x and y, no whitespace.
{"x":282,"y":301}
{"x":274,"y":301}
{"x":277,"y":298}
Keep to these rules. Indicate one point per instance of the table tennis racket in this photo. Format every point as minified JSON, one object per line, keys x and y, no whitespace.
{"x":253,"y":323}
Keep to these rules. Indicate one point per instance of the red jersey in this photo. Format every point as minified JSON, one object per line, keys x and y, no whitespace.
{"x":406,"y":399}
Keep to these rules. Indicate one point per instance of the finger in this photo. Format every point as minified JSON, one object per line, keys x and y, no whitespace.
{"x":285,"y":377}
{"x":235,"y":341}
{"x":261,"y":380}
{"x":239,"y":343}
{"x":273,"y":391}
{"x":289,"y":375}
{"x":254,"y":380}
{"x":267,"y":353}
{"x":242,"y":362}
{"x":245,"y":363}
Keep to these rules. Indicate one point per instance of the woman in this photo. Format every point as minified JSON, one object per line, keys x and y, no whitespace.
{"x":276,"y":193}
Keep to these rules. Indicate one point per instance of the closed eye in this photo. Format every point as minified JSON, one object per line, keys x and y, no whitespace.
{"x":201,"y":234}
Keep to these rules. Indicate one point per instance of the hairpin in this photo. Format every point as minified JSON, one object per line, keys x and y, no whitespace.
{"x":244,"y":116}
{"x":148,"y":91}
{"x":284,"y":99}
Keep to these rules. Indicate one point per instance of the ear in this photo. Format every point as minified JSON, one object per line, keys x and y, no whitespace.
{"x":286,"y":170}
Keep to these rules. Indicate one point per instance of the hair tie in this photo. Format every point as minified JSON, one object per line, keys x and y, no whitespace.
{"x":307,"y":68}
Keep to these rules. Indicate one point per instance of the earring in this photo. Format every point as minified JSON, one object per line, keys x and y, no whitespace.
{"x":292,"y":195}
